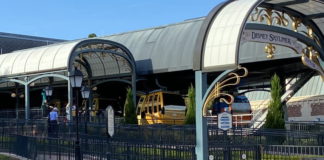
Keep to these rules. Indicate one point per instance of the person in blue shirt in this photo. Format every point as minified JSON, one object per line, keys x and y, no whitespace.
{"x":53,"y":119}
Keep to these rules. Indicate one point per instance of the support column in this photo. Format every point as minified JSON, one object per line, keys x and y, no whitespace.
{"x":70,"y":99}
{"x":27,"y":102}
{"x":201,"y":123}
{"x":90,"y":99}
{"x":134,"y":88}
{"x":17,"y":100}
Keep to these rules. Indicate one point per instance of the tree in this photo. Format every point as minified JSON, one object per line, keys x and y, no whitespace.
{"x":129,"y":108}
{"x":275,"y":117}
{"x":92,"y":35}
{"x":191,"y":106}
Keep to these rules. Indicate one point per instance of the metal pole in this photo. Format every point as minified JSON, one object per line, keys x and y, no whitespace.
{"x":70,"y":100}
{"x":17,"y":106}
{"x":86,"y":119}
{"x":17,"y":101}
{"x":201,"y":124}
{"x":77,"y":142}
{"x":27,"y":104}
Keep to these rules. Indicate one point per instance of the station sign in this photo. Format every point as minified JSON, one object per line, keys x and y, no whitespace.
{"x":110,"y":120}
{"x":224,"y":121}
{"x":273,"y":38}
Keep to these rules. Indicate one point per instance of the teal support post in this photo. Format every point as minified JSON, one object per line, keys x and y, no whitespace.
{"x":27,"y":102}
{"x":134,"y":89}
{"x":70,"y":99}
{"x":201,"y":123}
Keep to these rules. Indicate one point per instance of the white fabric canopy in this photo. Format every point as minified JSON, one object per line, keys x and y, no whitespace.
{"x":57,"y":57}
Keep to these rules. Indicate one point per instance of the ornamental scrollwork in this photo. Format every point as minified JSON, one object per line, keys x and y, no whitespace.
{"x":232,"y":79}
{"x":270,"y":50}
{"x":273,"y":17}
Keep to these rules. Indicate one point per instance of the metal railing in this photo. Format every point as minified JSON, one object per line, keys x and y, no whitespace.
{"x":31,"y":139}
{"x":238,"y":120}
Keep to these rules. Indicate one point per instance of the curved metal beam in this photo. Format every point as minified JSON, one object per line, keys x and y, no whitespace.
{"x":86,"y":66}
{"x":288,"y":32}
{"x":303,"y":17}
{"x":264,"y":90}
{"x":13,"y":80}
{"x":111,"y":80}
{"x":48,"y":75}
{"x":129,"y":60}
{"x":74,"y":53}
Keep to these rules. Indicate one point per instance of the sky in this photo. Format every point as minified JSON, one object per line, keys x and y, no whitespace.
{"x":76,"y":19}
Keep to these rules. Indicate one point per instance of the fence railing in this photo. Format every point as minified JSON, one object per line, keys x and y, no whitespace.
{"x":33,"y":140}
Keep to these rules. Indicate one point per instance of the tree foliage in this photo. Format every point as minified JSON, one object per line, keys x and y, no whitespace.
{"x":275,"y":117}
{"x":129,"y":108}
{"x":92,"y":35}
{"x":191,"y":106}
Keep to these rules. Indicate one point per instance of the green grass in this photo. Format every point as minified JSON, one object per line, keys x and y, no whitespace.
{"x":4,"y":157}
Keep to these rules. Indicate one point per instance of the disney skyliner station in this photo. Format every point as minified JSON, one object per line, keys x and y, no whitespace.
{"x":233,"y":51}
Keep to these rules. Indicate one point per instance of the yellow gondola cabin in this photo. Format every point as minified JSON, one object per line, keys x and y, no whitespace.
{"x":161,"y":107}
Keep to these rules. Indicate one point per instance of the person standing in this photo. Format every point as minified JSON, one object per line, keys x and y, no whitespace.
{"x":53,"y":119}
{"x":68,"y":113}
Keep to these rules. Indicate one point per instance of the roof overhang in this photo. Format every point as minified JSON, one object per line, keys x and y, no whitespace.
{"x":220,"y":36}
{"x":94,"y":57}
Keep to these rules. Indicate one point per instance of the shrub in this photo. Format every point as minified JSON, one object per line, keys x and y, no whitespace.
{"x":191,"y":106}
{"x":275,"y":117}
{"x":129,"y":108}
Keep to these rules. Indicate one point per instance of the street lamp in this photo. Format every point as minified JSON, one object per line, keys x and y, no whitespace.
{"x":75,"y":78}
{"x":85,"y":92}
{"x":48,"y":91}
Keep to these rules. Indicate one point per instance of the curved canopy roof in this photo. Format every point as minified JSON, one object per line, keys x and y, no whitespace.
{"x":181,"y":46}
{"x":96,"y":56}
{"x":162,"y":49}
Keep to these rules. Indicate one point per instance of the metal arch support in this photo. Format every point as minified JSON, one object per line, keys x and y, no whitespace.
{"x":304,"y":18}
{"x":263,"y":90}
{"x":74,"y":53}
{"x":112,"y":80}
{"x":201,"y":97}
{"x":276,"y":29}
{"x":48,"y":75}
{"x":215,"y":90}
{"x":86,"y":65}
{"x":13,"y":80}
{"x":128,"y":58}
{"x":132,"y":83}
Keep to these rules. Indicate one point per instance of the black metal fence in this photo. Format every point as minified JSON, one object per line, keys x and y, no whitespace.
{"x":33,"y":140}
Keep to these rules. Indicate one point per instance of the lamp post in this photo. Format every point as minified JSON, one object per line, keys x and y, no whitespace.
{"x":48,"y":92}
{"x":85,"y":92}
{"x":75,"y":78}
{"x":17,"y":95}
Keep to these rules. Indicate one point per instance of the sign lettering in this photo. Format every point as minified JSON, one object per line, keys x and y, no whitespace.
{"x":224,"y":121}
{"x":271,"y":37}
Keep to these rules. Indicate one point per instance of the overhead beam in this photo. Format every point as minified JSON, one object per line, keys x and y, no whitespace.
{"x":293,"y":2}
{"x":315,"y":16}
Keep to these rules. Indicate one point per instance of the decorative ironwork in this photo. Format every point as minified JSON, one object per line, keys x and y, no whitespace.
{"x":232,"y":79}
{"x":311,"y":59}
{"x":270,"y":50}
{"x":271,"y":17}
